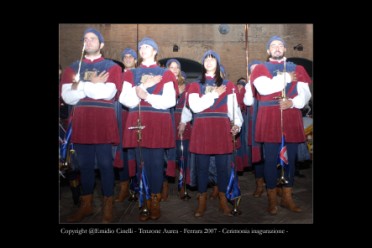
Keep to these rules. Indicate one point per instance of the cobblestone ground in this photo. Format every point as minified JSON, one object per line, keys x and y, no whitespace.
{"x":177,"y":211}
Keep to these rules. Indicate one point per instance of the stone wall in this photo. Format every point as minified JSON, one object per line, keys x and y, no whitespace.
{"x":192,"y":39}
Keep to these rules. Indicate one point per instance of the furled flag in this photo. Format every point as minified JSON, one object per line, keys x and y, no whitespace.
{"x":66,"y":142}
{"x":180,"y":178}
{"x":233,"y":189}
{"x":182,"y":167}
{"x":143,"y":186}
{"x":283,"y":157}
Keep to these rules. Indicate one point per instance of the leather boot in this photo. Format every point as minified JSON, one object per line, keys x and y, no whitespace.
{"x":181,"y":192}
{"x":142,"y":215}
{"x":223,"y":204}
{"x":107,"y":209}
{"x":84,"y":210}
{"x":271,"y":194}
{"x":124,"y":191}
{"x":259,"y":187}
{"x":164,"y":192}
{"x":287,"y":200}
{"x":214,"y":193}
{"x":279,"y":191}
{"x":75,"y":190}
{"x":202,"y":205}
{"x":197,"y":196}
{"x":155,"y":206}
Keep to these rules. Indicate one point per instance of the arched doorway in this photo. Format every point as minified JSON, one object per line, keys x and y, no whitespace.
{"x":192,"y":68}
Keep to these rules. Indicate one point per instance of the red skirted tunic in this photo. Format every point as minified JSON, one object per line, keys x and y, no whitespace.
{"x":94,"y":120}
{"x":268,"y":126}
{"x":211,"y":127}
{"x":159,"y":130}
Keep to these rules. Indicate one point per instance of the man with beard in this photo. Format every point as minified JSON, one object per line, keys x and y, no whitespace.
{"x":278,"y":116}
{"x":91,"y":85}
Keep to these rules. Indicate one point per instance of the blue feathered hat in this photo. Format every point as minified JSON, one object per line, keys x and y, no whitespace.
{"x":173,"y":60}
{"x":129,"y":51}
{"x":148,"y":41}
{"x":241,"y":82}
{"x":213,"y":53}
{"x":275,"y":37}
{"x":96,"y":32}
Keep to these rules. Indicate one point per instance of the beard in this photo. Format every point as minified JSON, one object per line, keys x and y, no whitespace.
{"x":277,"y":57}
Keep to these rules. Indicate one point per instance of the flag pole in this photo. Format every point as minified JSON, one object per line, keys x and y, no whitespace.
{"x":235,"y":210}
{"x":182,"y":166}
{"x":77,"y":76}
{"x":246,"y":49}
{"x":145,"y":211}
{"x":182,"y":175}
{"x":282,"y":180}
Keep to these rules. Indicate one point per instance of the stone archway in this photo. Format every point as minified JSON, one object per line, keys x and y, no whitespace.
{"x":192,"y":68}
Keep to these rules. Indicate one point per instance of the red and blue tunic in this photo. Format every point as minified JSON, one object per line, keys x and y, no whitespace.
{"x":211,"y":127}
{"x":268,"y":125}
{"x":94,"y":120}
{"x":159,"y":131}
